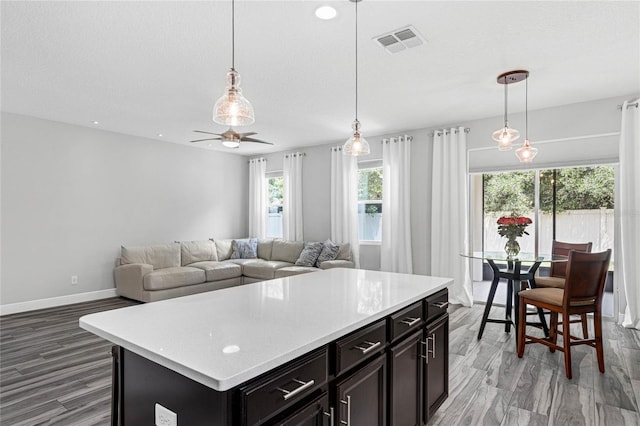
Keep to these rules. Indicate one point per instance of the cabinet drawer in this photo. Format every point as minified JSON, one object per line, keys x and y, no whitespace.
{"x":404,"y":321}
{"x":436,"y":304}
{"x":273,"y":393}
{"x":360,"y":345}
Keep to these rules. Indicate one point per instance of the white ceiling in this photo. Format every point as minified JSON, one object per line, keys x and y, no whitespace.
{"x":150,"y":67}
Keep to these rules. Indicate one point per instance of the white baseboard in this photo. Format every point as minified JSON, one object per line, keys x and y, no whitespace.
{"x":32,"y":305}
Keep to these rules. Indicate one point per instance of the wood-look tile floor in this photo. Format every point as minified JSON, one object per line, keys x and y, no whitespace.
{"x":53,"y":372}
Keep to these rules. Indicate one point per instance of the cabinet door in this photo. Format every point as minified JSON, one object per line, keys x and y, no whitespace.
{"x":405,"y":387}
{"x":316,"y":413}
{"x":361,"y":398}
{"x":436,"y":377}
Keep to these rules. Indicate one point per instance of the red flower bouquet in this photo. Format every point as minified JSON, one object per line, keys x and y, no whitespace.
{"x":512,"y":227}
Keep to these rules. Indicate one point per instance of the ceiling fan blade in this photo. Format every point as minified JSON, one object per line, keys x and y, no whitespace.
{"x":208,"y":133}
{"x":242,"y":135}
{"x":209,"y":139}
{"x":255,"y":140}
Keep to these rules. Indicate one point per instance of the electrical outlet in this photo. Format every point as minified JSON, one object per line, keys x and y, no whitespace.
{"x":74,"y":280}
{"x":165,"y":417}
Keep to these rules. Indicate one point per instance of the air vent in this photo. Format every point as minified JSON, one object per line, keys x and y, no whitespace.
{"x":399,"y":40}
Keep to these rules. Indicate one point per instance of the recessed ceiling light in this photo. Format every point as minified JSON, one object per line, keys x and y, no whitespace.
{"x":326,"y":12}
{"x":95,"y":122}
{"x":160,"y":135}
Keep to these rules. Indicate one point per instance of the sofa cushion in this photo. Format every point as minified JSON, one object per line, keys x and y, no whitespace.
{"x":224,"y":249}
{"x":216,"y":271}
{"x":264,"y":248}
{"x":309,"y":254}
{"x":159,"y":256}
{"x":329,"y":252}
{"x":173,"y":277}
{"x":264,"y":269}
{"x":286,"y":251}
{"x":293,"y":270}
{"x":197,"y":251}
{"x":345,"y":252}
{"x":246,"y":248}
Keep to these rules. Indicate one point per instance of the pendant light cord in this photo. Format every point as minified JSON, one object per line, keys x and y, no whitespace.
{"x":356,"y":38}
{"x":233,"y":35}
{"x":526,"y":109}
{"x":506,"y":99}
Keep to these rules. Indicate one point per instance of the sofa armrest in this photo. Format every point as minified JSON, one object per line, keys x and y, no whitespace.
{"x":129,"y":279}
{"x":328,"y":264}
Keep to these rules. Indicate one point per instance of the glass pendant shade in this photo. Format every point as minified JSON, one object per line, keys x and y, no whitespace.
{"x":233,"y":109}
{"x":526,"y":153}
{"x":505,"y":137}
{"x":356,"y":144}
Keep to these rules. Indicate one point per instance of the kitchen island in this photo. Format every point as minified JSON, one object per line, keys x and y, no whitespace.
{"x":308,"y":347}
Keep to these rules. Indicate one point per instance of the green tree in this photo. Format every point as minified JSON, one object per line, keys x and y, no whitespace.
{"x":509,"y":192}
{"x":276,"y":189}
{"x":370,"y":184}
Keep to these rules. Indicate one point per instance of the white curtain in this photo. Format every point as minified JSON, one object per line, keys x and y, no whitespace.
{"x":627,"y":265}
{"x":344,"y":201}
{"x":450,"y":213}
{"x":257,"y":198}
{"x":292,"y":197}
{"x":395,"y":251}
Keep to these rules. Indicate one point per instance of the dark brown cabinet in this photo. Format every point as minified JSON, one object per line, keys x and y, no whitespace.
{"x":361,"y":398}
{"x":393,"y":371}
{"x":406,"y":381}
{"x":436,"y":373}
{"x":315,"y":413}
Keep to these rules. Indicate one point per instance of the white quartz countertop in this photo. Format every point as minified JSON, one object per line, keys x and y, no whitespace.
{"x":226,"y":337}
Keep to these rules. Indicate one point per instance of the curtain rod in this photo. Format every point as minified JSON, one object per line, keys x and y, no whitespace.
{"x":295,"y":154}
{"x":258,"y":160}
{"x":446,"y":132}
{"x":633,"y":104}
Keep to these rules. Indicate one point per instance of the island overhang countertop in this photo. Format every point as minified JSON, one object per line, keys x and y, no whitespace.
{"x":226,"y":337}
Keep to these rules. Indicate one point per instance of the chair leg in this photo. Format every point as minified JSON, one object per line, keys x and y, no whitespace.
{"x":597,"y":325}
{"x":553,"y":330}
{"x":566,"y":340}
{"x":522,"y":325}
{"x":585,"y":326}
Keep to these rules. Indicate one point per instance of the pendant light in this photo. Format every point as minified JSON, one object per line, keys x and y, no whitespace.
{"x":233,"y":109}
{"x":356,"y":144}
{"x":526,"y":153}
{"x":506,"y":135}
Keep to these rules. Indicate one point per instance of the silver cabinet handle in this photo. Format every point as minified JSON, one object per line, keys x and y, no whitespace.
{"x":427,"y":351}
{"x":371,"y":347}
{"x":411,"y":321}
{"x":441,"y":305}
{"x":348,"y":404}
{"x":330,"y":415}
{"x":291,"y":394}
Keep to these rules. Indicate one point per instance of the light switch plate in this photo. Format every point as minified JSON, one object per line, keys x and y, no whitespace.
{"x":165,"y":417}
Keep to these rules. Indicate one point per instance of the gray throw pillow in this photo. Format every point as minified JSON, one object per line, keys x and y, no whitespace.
{"x":309,"y":254}
{"x":329,"y":252}
{"x":246,"y":248}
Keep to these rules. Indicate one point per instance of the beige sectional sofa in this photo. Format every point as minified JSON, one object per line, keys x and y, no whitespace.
{"x":157,"y":272}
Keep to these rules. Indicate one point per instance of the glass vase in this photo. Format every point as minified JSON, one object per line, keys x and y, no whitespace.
{"x":512,"y":248}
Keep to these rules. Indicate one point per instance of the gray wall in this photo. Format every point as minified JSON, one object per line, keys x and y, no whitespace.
{"x":547,"y":128}
{"x":72,"y":195}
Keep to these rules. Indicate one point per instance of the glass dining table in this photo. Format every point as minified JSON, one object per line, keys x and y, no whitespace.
{"x":516,"y":271}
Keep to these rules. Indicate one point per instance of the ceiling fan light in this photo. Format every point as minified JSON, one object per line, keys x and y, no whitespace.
{"x":526,"y":153}
{"x":231,"y":143}
{"x":233,"y":109}
{"x":356,"y":145}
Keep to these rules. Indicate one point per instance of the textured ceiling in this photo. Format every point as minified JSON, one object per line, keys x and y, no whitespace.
{"x":144,"y":68}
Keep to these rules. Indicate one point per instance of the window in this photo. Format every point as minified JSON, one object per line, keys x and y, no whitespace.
{"x":274,"y":215}
{"x":370,"y":204}
{"x":574,"y":205}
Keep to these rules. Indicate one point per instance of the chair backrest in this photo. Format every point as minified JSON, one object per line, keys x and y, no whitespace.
{"x":558,"y":248}
{"x":586,"y":274}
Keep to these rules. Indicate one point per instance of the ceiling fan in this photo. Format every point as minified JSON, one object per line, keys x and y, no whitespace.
{"x":231,"y":138}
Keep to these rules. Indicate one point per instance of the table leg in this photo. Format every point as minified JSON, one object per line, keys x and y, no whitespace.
{"x":492,"y":293}
{"x":509,"y":307}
